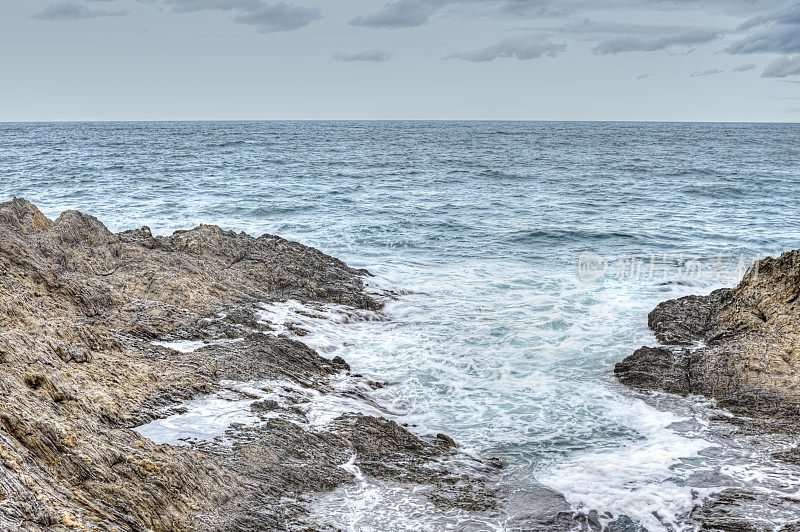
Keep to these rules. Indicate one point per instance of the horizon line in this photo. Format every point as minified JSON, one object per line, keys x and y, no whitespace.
{"x":289,"y":120}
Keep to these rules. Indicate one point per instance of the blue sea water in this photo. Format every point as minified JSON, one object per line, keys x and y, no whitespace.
{"x":502,"y":340}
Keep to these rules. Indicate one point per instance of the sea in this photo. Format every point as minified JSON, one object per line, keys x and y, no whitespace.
{"x":526,"y":256}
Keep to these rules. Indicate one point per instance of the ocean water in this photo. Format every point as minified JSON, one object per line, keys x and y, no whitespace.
{"x":529,"y":255}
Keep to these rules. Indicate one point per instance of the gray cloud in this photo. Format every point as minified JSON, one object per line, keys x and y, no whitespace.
{"x":788,"y":14}
{"x":643,"y":76}
{"x":267,"y":18}
{"x":709,"y":72}
{"x":785,"y":40}
{"x":367,"y":55}
{"x":279,"y":17}
{"x":594,"y":29}
{"x":192,"y":6}
{"x":782,"y":67}
{"x":64,"y":11}
{"x":638,"y":44}
{"x":522,"y":47}
{"x":401,"y":14}
{"x":745,"y":68}
{"x":411,"y":13}
{"x":779,"y":33}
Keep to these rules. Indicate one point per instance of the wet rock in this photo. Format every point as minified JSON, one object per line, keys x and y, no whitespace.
{"x":447,"y":440}
{"x":267,"y":405}
{"x":732,"y":510}
{"x":495,"y":462}
{"x":656,"y":368}
{"x":340,"y":363}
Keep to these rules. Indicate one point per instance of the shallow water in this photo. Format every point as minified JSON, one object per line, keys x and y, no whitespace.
{"x":501,"y":342}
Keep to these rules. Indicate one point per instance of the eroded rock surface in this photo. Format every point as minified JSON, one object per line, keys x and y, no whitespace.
{"x":79,"y":309}
{"x":740,"y":346}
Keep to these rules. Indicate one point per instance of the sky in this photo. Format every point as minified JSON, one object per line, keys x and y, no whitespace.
{"x":665,"y":60}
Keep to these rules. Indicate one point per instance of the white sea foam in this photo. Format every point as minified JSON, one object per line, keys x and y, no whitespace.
{"x":183,"y":346}
{"x":371,"y":505}
{"x":324,"y":327}
{"x":208,"y":418}
{"x":190,"y":346}
{"x":644,"y":479}
{"x":511,"y":373}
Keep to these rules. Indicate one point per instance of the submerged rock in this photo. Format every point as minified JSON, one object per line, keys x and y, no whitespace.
{"x":79,"y":308}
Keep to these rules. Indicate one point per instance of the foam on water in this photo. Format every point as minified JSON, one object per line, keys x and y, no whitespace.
{"x":645,"y":479}
{"x":208,"y":418}
{"x":371,"y":505}
{"x":190,"y":346}
{"x":625,"y":458}
{"x":318,"y":326}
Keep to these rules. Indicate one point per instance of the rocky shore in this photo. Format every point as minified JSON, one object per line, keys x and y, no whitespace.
{"x":82,"y":312}
{"x":740,"y":347}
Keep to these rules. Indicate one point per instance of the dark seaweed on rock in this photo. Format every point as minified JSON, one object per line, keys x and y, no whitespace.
{"x":79,"y":306}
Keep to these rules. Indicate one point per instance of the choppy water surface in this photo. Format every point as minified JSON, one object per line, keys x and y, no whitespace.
{"x":500,"y":343}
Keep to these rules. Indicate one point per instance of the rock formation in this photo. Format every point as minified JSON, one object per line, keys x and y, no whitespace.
{"x":79,"y":309}
{"x":740,"y":346}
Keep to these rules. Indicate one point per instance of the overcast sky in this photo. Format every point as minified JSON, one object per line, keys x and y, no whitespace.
{"x":736,"y":60}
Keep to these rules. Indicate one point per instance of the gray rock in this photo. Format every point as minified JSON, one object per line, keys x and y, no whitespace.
{"x":750,"y":360}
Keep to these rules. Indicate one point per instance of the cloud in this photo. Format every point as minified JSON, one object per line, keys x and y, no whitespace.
{"x":367,"y":55}
{"x":267,"y":18}
{"x":523,"y":47}
{"x":782,"y":67}
{"x":192,"y":6}
{"x":745,"y":68}
{"x":279,"y":17}
{"x":64,"y":11}
{"x":401,"y":14}
{"x":643,"y":76}
{"x":779,"y":33}
{"x":782,"y":40}
{"x":709,"y":72}
{"x":638,"y":44}
{"x":412,"y":13}
{"x":594,"y":29}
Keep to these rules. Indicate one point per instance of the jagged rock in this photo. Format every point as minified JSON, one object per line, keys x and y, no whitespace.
{"x":685,"y":320}
{"x":79,"y":306}
{"x":731,"y":510}
{"x":656,"y":368}
{"x":749,"y":357}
